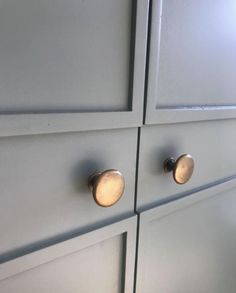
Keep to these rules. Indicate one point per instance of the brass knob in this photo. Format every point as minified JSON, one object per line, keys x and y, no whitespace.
{"x":182,"y":168}
{"x":107,"y":187}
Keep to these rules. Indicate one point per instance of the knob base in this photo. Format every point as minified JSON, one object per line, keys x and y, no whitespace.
{"x":92,"y":180}
{"x":169,"y":164}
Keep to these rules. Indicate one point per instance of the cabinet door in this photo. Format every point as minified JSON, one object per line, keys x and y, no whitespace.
{"x":189,"y":245}
{"x":72,"y":63}
{"x":99,"y":261}
{"x":192,"y":61}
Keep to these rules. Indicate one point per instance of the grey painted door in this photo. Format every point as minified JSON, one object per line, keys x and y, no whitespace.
{"x":189,"y":245}
{"x":99,"y":261}
{"x":78,"y":65}
{"x":71,"y":85}
{"x":187,"y":232}
{"x":192,"y":61}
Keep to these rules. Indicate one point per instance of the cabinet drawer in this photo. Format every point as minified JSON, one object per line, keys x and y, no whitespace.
{"x":211,"y":144}
{"x":44,"y":189}
{"x":189,"y":245}
{"x":99,"y":261}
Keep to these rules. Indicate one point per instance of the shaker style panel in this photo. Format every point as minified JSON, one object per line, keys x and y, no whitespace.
{"x":211,"y":145}
{"x":189,"y":245}
{"x":60,"y":60}
{"x":44,"y":185}
{"x":72,"y":63}
{"x":192,"y":61}
{"x":100,"y":261}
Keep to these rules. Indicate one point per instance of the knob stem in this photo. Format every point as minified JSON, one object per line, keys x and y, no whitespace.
{"x":92,"y":180}
{"x":169,"y":165}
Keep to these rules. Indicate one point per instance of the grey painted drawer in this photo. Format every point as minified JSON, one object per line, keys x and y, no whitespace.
{"x":189,"y":245}
{"x":99,"y":261}
{"x":212,"y":145}
{"x":44,"y":190}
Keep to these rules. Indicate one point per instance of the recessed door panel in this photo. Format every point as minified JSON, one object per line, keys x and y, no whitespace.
{"x":61,"y":55}
{"x":73,"y":63}
{"x":100,"y":261}
{"x":192,"y":61}
{"x":197,"y":53}
{"x":189,"y":245}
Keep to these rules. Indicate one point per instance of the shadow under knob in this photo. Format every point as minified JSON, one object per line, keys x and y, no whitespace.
{"x":182,"y":168}
{"x":107,"y":187}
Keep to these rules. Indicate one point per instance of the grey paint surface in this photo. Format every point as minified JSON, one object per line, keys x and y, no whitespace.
{"x":44,"y":190}
{"x":192,"y":57}
{"x":189,"y":245}
{"x":68,"y":67}
{"x":74,"y":272}
{"x":197,"y":53}
{"x":65,"y":61}
{"x":63,"y":70}
{"x":210,"y":143}
{"x":64,"y":55}
{"x":101,"y":261}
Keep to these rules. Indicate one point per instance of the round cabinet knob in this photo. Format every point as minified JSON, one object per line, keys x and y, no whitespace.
{"x":107,"y":187}
{"x":182,"y":168}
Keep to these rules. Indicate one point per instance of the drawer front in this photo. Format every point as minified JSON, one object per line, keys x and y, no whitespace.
{"x":211,"y":144}
{"x":44,"y":191}
{"x":189,"y":245}
{"x":101,"y":261}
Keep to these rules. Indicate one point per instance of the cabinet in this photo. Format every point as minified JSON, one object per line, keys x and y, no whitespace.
{"x":72,"y":89}
{"x":93,"y":88}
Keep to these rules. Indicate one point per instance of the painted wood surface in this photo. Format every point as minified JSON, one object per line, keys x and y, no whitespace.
{"x":189,"y":245}
{"x":100,"y":261}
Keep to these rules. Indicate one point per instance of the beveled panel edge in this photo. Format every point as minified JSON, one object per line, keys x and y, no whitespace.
{"x":40,"y":257}
{"x":213,"y":186}
{"x":26,"y":124}
{"x":190,"y":114}
{"x":197,"y":196}
{"x":167,"y":115}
